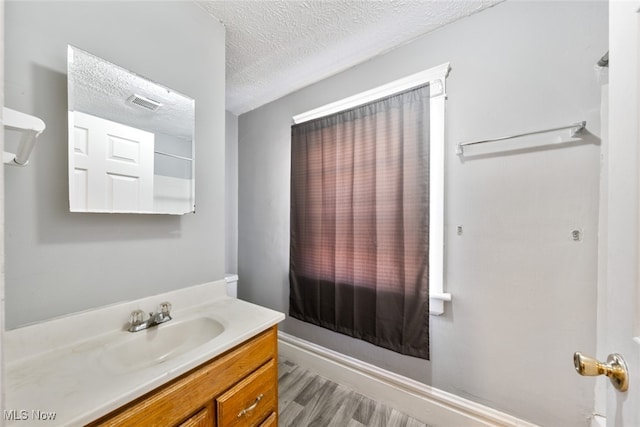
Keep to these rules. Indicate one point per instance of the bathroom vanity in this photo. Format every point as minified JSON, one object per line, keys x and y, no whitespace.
{"x":213,"y":364}
{"x":236,"y":388}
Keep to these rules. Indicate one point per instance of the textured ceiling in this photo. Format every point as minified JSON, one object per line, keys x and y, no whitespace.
{"x":275,"y":47}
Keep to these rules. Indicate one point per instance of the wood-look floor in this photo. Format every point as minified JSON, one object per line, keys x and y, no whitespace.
{"x":307,"y":399}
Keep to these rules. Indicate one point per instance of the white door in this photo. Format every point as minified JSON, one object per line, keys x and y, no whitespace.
{"x":112,"y":166}
{"x":620,"y":327}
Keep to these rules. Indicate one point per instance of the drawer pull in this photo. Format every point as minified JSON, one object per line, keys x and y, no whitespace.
{"x":245,"y":411}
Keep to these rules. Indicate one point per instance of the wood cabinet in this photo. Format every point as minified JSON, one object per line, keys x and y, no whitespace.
{"x":237,"y":388}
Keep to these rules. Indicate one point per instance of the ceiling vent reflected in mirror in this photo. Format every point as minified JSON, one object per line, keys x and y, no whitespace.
{"x":144,"y":102}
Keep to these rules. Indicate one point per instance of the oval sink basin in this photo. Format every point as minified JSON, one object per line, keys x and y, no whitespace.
{"x":160,"y":343}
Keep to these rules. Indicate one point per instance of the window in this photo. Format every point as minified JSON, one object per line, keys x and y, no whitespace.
{"x":364,"y":200}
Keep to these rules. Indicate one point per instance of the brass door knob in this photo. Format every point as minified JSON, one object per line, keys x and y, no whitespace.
{"x":615,"y":369}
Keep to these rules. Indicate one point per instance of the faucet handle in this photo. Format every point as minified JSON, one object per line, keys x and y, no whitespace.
{"x":165,"y":308}
{"x":137,"y":317}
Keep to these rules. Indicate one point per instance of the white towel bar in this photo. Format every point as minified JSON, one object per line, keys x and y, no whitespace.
{"x":576,"y":128}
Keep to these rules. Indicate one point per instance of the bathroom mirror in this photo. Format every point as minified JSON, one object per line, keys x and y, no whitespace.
{"x":131,"y":141}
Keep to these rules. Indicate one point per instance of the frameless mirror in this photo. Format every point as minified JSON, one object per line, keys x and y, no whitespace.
{"x":131,"y":141}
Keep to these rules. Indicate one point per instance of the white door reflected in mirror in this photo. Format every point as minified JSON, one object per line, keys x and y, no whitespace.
{"x":114,"y":162}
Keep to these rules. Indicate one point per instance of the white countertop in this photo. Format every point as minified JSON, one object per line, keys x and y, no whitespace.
{"x":55,"y":367}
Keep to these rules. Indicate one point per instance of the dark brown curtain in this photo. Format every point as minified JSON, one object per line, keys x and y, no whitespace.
{"x":360,"y":222}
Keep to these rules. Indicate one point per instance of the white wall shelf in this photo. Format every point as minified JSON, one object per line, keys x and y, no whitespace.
{"x":31,"y":127}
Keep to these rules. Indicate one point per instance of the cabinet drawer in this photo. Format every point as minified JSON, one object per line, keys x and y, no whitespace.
{"x":252,"y":400}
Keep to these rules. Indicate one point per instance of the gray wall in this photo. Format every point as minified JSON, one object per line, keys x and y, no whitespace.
{"x":231,"y":196}
{"x":58,"y":262}
{"x":524,"y":293}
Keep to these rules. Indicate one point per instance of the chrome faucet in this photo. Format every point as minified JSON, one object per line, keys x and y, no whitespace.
{"x":137,"y":320}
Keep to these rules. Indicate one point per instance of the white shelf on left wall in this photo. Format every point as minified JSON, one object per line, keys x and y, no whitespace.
{"x":30,"y":126}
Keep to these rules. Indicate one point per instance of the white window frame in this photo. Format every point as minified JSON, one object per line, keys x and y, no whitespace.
{"x":436,"y":78}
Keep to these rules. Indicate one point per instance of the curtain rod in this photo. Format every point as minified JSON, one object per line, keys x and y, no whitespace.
{"x":577,"y":128}
{"x":438,"y":73}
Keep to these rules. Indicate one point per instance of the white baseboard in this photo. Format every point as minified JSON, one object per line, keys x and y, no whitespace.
{"x":430,"y":405}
